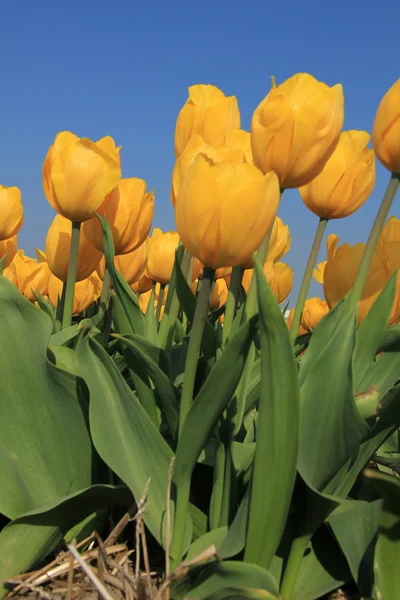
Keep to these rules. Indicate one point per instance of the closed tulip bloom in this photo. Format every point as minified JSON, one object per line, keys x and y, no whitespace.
{"x":196,"y":146}
{"x":78,"y":174}
{"x":108,"y":146}
{"x":223,"y":211}
{"x":248,"y":275}
{"x":11,"y":212}
{"x":131,"y":266}
{"x":219,"y":294}
{"x":144,"y":298}
{"x":143,"y":285}
{"x":29,"y":275}
{"x":278,"y":246}
{"x":129,"y":212}
{"x":209,"y":113}
{"x":346,"y":181}
{"x":314,"y":310}
{"x":161,"y":255}
{"x":221,"y":273}
{"x":86,"y":291}
{"x":289,"y":321}
{"x":386,"y":130}
{"x":241,"y":139}
{"x":318,"y":272}
{"x":8,"y":248}
{"x":295,"y":129}
{"x":282,"y":281}
{"x":58,"y":244}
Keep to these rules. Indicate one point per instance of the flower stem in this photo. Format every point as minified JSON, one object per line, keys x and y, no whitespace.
{"x":297,"y":550}
{"x":160,"y":301}
{"x":358,"y":287}
{"x":230,"y":310}
{"x":71,"y":278}
{"x":305,"y":284}
{"x":105,"y":290}
{"x":167,"y":325}
{"x":196,"y":334}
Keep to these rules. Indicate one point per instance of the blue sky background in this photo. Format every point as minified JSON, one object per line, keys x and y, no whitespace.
{"x":122,"y":68}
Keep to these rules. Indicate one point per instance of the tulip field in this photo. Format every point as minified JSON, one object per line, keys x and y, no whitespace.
{"x":170,"y":427}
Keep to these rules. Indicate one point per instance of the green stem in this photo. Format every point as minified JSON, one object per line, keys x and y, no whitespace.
{"x":165,"y":333}
{"x":105,"y":290}
{"x":160,"y":301}
{"x":358,"y":287}
{"x":71,"y":278}
{"x":230,"y":309}
{"x":297,"y":550}
{"x":196,"y":334}
{"x":305,"y":284}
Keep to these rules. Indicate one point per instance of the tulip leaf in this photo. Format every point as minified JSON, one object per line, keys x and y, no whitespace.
{"x":124,"y":435}
{"x":65,"y":336}
{"x":150,"y":323}
{"x":214,"y":537}
{"x":391,"y":340}
{"x":277,"y":430}
{"x":235,"y":540}
{"x":387,"y":551}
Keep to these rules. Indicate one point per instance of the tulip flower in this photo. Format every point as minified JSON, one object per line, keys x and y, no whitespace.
{"x":78,"y":174}
{"x":129,"y":212}
{"x":8,"y":248}
{"x":279,"y":244}
{"x":196,"y":146}
{"x":223,"y":211}
{"x":142,"y":285}
{"x":131,"y":266}
{"x":314,"y":310}
{"x":318,"y":272}
{"x":346,"y":180}
{"x":279,"y":276}
{"x":144,"y":298}
{"x":386,"y":130}
{"x":209,"y":113}
{"x":108,"y":146}
{"x":219,"y":294}
{"x":29,"y":275}
{"x":58,"y":245}
{"x":11,"y":212}
{"x":161,"y":255}
{"x":295,"y":129}
{"x":86,"y":291}
{"x":241,"y":139}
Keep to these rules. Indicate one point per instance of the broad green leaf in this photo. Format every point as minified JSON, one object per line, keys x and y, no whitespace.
{"x":65,"y":336}
{"x":236,"y":539}
{"x":46,"y":307}
{"x":124,"y":435}
{"x":277,"y":431}
{"x":391,"y":340}
{"x":387,"y":551}
{"x":150,"y":323}
{"x":214,"y":537}
{"x":223,"y":497}
{"x":199,"y":521}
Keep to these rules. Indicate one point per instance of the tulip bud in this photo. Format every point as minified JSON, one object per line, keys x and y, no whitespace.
{"x":142,"y":285}
{"x":209,"y":113}
{"x":279,"y":244}
{"x":131,"y":266}
{"x":346,"y":181}
{"x":11,"y":212}
{"x":86,"y":291}
{"x":129,"y":212}
{"x":223,"y":211}
{"x":295,"y":129}
{"x":161,"y":255}
{"x":219,"y":294}
{"x":78,"y":174}
{"x":29,"y":275}
{"x":386,"y":131}
{"x":9,"y":248}
{"x":58,"y":245}
{"x":314,"y":310}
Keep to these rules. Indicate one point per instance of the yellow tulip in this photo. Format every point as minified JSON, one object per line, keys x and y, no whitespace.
{"x":58,"y":244}
{"x":279,"y":243}
{"x":129,"y":212}
{"x":11,"y":212}
{"x":295,"y":129}
{"x":161,"y":255}
{"x":241,"y":139}
{"x":108,"y":146}
{"x":209,"y":113}
{"x":9,"y":248}
{"x":386,"y":131}
{"x":346,"y":181}
{"x":318,"y":272}
{"x":279,"y":276}
{"x":28,"y":275}
{"x":219,"y":294}
{"x":131,"y":265}
{"x":78,"y":174}
{"x":289,"y":321}
{"x":86,"y":291}
{"x":223,"y":211}
{"x":144,"y":298}
{"x":142,"y":285}
{"x":314,"y":310}
{"x":194,"y":147}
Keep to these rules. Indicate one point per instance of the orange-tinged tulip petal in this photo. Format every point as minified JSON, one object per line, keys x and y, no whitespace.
{"x":282,"y":281}
{"x":58,"y":245}
{"x":209,"y":113}
{"x":296,"y":127}
{"x":219,"y":294}
{"x":248,"y":275}
{"x":386,"y":131}
{"x":107,"y":145}
{"x":11,"y":212}
{"x":318,"y":272}
{"x":129,"y":212}
{"x":143,"y":285}
{"x":29,"y":275}
{"x":86,"y":291}
{"x":144,"y":298}
{"x":346,"y":181}
{"x":289,"y":321}
{"x":279,"y":243}
{"x":9,"y":248}
{"x":161,"y":255}
{"x":78,"y":175}
{"x":131,"y":266}
{"x":314,"y":310}
{"x":241,"y":139}
{"x":223,"y":211}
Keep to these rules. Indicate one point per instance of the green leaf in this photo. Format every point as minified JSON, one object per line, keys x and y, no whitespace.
{"x":391,"y":340}
{"x":387,"y":551}
{"x":236,"y":539}
{"x":150,"y":323}
{"x":277,"y":431}
{"x":124,"y":435}
{"x":65,"y":336}
{"x":214,"y":537}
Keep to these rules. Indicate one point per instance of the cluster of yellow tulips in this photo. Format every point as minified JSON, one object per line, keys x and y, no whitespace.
{"x":226,"y":189}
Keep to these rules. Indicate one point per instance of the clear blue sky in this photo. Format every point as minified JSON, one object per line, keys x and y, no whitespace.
{"x":122,"y":68}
